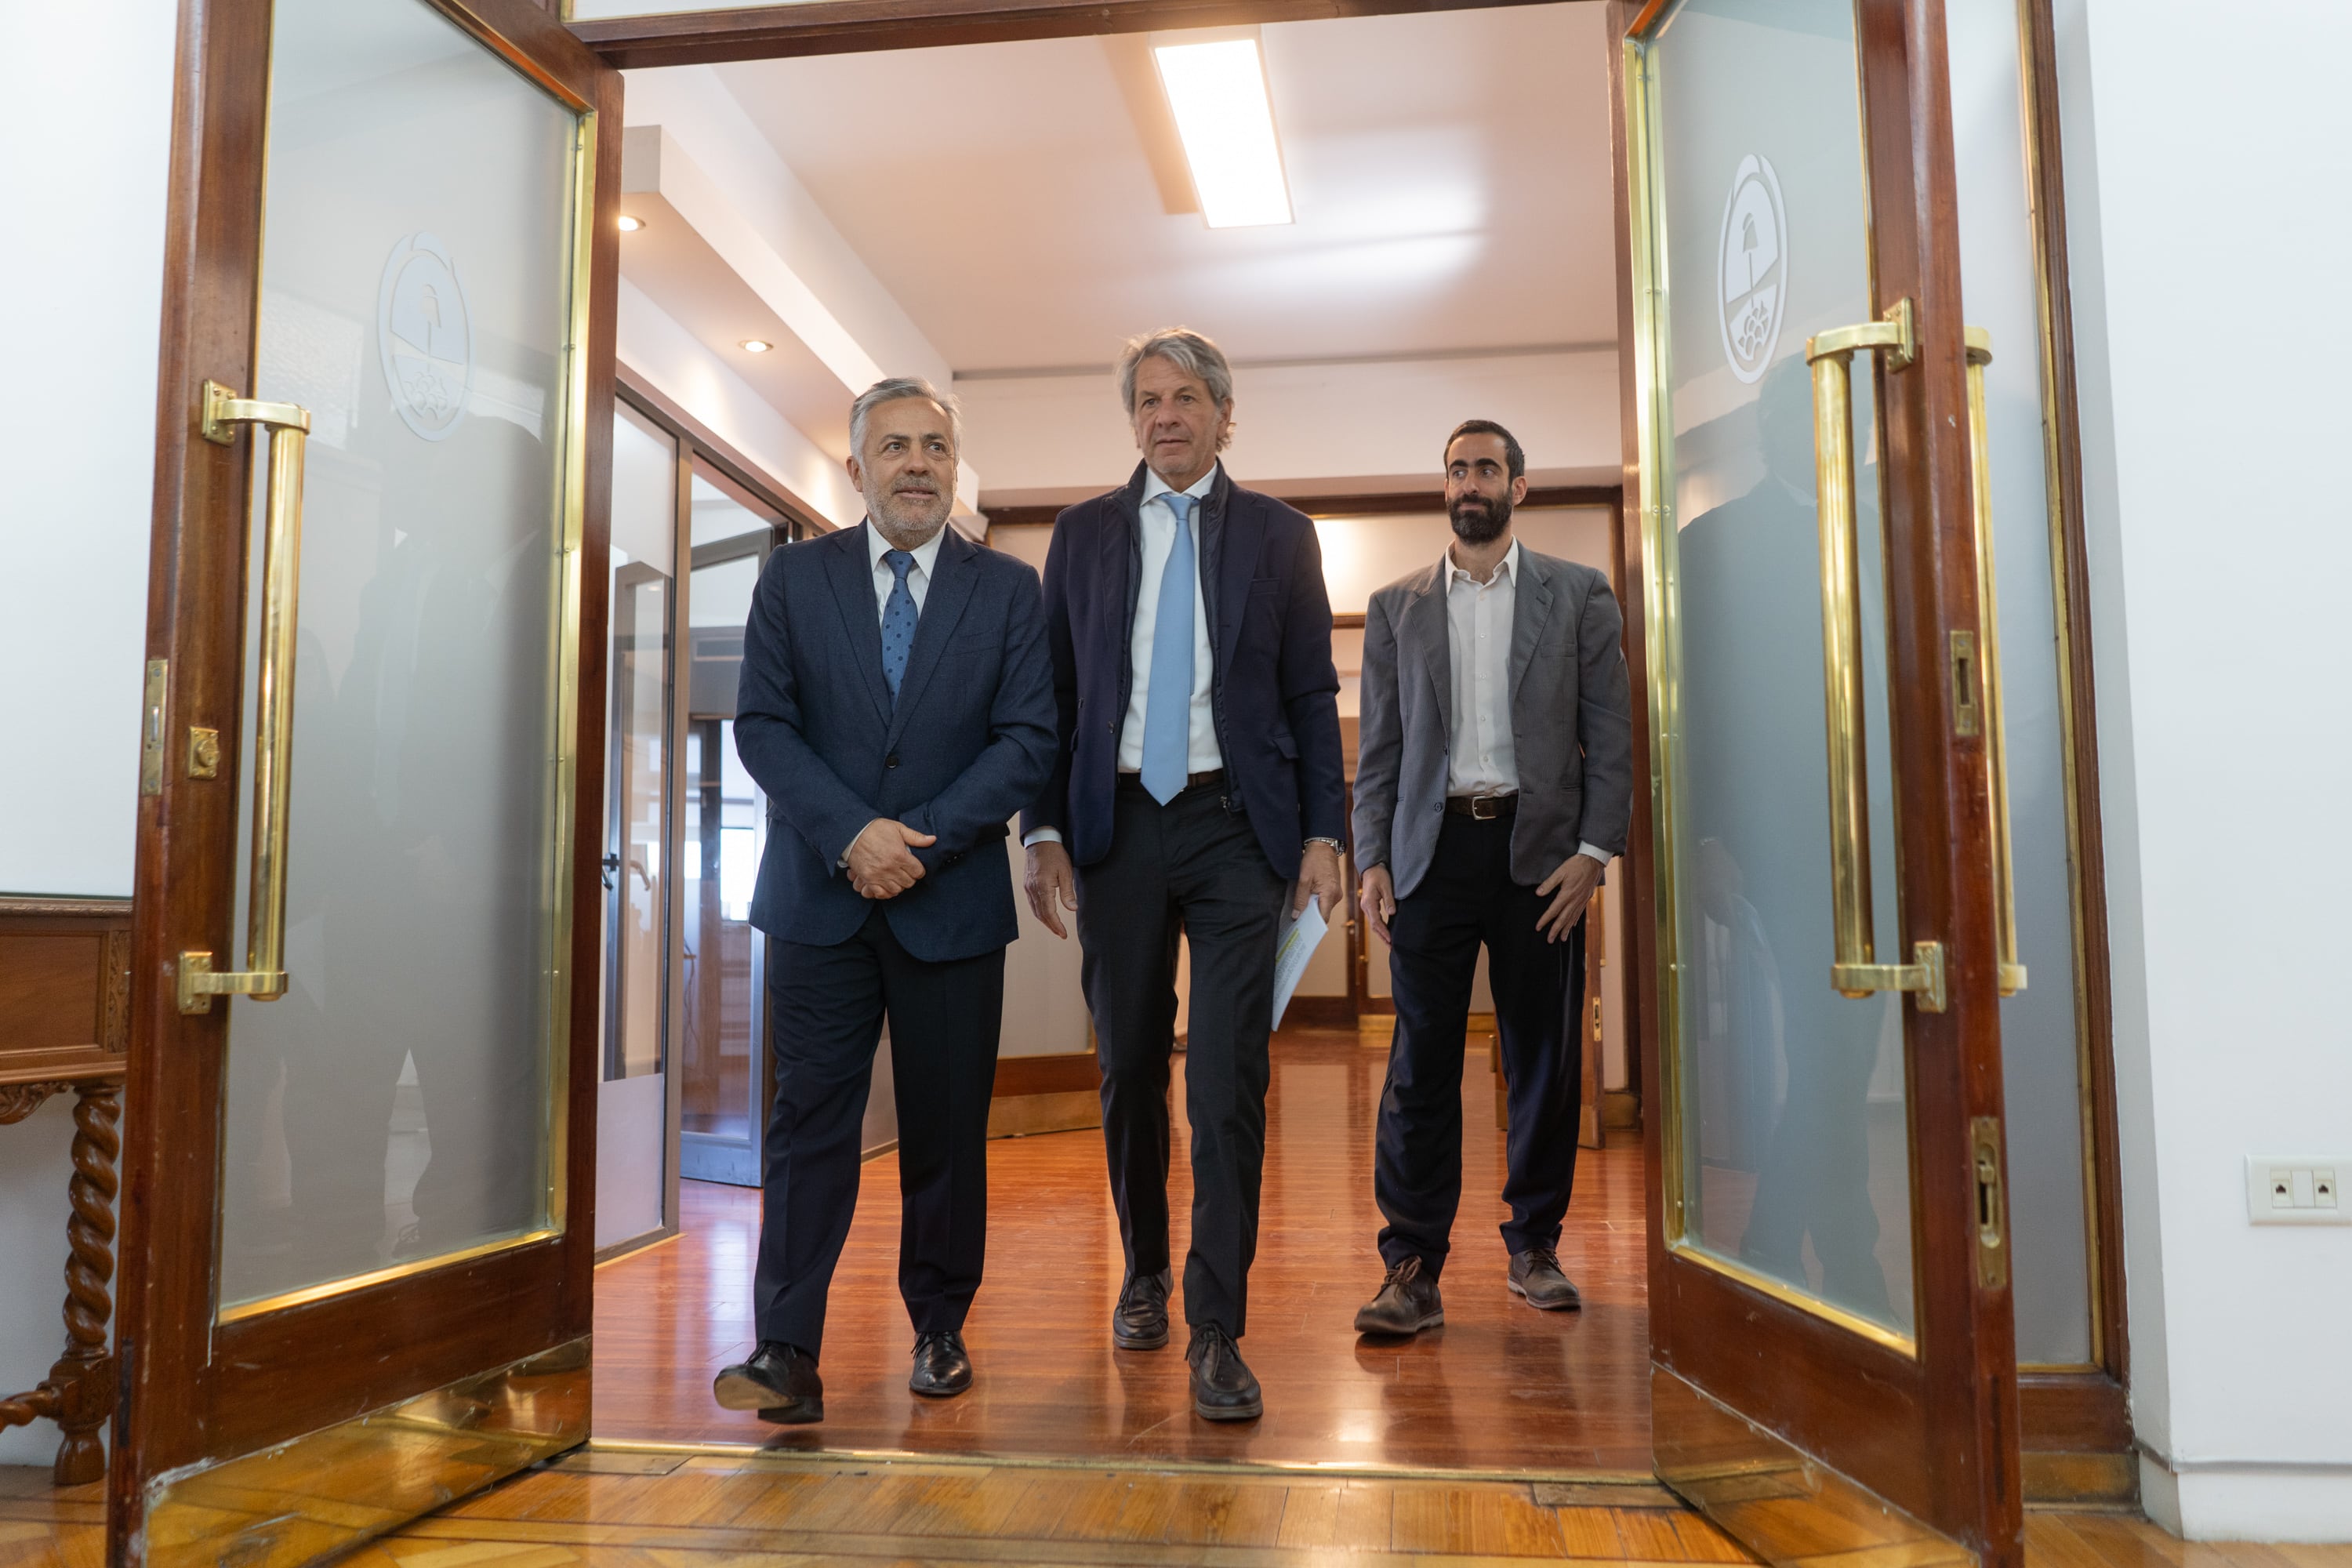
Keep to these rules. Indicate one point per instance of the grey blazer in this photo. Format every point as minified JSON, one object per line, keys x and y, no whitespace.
{"x":1572,"y":721}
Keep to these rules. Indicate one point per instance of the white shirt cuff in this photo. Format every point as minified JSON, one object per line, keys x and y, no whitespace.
{"x":1041,"y":836}
{"x":1596,"y":852}
{"x":843,"y":864}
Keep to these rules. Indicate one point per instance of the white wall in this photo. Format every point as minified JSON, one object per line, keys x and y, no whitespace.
{"x":86,"y":108}
{"x":86,"y":90}
{"x":698,"y":380}
{"x":1300,"y":427}
{"x":2208,"y":236}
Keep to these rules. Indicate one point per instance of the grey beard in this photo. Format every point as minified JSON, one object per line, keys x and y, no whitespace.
{"x":1480,"y":528}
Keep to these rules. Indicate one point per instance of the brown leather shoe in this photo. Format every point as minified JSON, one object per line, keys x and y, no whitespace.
{"x":1407,"y":1303}
{"x":1535,"y":1274}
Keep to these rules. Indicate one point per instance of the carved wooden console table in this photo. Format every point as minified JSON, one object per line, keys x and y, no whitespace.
{"x":65,"y":1020}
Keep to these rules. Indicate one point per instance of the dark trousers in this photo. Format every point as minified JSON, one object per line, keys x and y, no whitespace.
{"x":1193,"y":867}
{"x":828,"y":1005}
{"x":1467,"y":898}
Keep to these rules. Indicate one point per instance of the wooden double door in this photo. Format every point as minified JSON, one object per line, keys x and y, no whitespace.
{"x":364,"y":1088}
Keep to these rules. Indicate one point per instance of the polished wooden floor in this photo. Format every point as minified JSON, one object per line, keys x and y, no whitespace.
{"x":1500,"y":1389}
{"x":633,"y":1509}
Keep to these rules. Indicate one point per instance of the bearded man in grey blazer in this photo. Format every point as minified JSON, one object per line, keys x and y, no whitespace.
{"x":1494,"y":784}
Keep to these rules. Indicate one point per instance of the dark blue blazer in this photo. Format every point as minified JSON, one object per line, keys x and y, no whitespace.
{"x":1274,"y":695}
{"x":967,"y":744}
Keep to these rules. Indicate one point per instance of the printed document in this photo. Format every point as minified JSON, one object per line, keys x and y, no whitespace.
{"x":1295,"y":943}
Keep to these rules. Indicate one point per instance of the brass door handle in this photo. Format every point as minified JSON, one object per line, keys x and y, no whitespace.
{"x":1855,"y":970}
{"x":2011,"y":972}
{"x":264,"y":978}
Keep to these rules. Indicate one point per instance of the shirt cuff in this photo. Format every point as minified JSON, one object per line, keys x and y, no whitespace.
{"x":1596,"y":852}
{"x":1041,"y":836}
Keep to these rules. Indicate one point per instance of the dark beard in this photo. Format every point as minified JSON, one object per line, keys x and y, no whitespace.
{"x":1479,"y":521}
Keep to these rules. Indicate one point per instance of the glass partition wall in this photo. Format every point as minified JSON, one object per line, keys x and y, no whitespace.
{"x":684,"y":1026}
{"x":725,"y":1060}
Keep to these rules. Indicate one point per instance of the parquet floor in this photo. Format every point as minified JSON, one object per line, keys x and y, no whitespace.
{"x":612,"y":1509}
{"x":1500,"y":1389}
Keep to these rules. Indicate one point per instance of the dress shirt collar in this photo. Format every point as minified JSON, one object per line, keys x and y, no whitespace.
{"x":1507,"y":572}
{"x":1153,"y":485}
{"x":926,"y":554}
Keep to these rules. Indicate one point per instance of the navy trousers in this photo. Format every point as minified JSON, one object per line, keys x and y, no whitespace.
{"x":828,"y":1005}
{"x":1467,"y":899}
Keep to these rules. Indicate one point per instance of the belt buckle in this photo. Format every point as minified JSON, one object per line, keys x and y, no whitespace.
{"x":1482,"y":808}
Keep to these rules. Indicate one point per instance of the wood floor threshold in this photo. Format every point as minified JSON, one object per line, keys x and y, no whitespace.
{"x":1268,"y":1469}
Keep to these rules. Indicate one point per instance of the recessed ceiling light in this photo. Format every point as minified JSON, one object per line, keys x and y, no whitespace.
{"x":1226,"y":116}
{"x":631,"y":225}
{"x":757,"y":345}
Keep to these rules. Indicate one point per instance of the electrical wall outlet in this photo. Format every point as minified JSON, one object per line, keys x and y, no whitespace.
{"x":2297,"y":1191}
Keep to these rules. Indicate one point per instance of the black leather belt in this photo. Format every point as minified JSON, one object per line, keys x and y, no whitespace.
{"x":1192,"y":780}
{"x":1482,"y":807}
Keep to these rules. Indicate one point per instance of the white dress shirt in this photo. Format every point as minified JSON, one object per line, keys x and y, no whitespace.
{"x":918,"y":577}
{"x":918,"y":585}
{"x":1159,"y":520}
{"x":1481,"y":756}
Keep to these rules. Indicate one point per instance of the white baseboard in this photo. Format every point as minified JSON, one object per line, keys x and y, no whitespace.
{"x":2309,"y":1504}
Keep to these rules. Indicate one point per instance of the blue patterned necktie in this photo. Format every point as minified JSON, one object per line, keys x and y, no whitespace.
{"x":1168,"y":707}
{"x":897,"y":623}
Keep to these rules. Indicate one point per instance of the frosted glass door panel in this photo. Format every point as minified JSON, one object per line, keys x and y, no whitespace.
{"x":1793,"y":1131}
{"x":2040,"y":1028}
{"x":395,"y":1105}
{"x":638,"y":777}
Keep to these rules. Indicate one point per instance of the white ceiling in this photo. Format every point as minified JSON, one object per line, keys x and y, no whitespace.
{"x":1450,"y":173}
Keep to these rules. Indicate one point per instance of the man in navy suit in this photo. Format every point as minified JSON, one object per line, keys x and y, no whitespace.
{"x":1199,"y":773}
{"x":896,"y":705}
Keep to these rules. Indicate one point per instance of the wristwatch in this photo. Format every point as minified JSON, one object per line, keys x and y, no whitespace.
{"x":1336,"y":848}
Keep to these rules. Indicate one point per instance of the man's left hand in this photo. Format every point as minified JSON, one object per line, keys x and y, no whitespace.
{"x":1569,"y":889}
{"x":1319,"y":878}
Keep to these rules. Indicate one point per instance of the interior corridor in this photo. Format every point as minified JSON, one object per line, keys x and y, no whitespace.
{"x":1499,"y":1389}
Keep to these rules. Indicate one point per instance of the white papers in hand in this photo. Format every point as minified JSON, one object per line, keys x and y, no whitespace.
{"x":1295,"y":943}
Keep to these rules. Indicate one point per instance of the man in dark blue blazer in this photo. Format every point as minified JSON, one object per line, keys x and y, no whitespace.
{"x":896,"y":705}
{"x":1198,"y":774}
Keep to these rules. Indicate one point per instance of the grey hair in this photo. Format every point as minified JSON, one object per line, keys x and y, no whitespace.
{"x":1185,"y":349}
{"x":892,"y":389}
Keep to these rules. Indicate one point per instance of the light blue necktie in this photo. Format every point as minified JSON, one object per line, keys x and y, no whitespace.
{"x":1167,"y":709}
{"x":897,"y":623}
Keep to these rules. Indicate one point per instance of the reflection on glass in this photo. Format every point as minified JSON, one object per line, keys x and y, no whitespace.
{"x":1794,"y":1134}
{"x":393,"y":1106}
{"x":644,"y":543}
{"x":722,"y":1057}
{"x":2050,"y":1270}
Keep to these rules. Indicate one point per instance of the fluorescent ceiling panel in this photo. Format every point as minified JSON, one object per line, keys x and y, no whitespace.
{"x":1225,"y":116}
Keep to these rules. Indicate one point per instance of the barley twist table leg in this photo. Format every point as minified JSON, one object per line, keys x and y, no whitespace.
{"x":82,"y":1383}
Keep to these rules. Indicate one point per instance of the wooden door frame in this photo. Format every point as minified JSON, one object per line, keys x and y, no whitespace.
{"x":334,"y":1361}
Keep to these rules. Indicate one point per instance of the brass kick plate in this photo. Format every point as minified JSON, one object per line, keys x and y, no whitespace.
{"x":203,"y":753}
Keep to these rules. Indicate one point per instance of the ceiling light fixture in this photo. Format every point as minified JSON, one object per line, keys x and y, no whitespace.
{"x":1224,"y":113}
{"x":757,"y":345}
{"x":631,"y":225}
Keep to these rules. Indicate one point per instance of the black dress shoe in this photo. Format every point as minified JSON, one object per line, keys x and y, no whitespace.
{"x":780,"y":1381}
{"x":1408,"y":1302}
{"x":1224,"y":1387}
{"x":942,"y":1366}
{"x":1535,"y":1274}
{"x":1140,"y":1321}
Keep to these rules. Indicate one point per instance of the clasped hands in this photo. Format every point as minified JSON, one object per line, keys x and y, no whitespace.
{"x":882,"y":864}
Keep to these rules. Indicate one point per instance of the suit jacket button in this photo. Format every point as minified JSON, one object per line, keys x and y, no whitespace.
{"x":891,"y":761}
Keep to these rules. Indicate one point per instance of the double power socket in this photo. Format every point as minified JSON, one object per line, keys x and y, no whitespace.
{"x":2297,"y":1191}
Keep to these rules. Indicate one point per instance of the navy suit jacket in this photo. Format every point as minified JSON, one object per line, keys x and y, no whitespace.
{"x":968,"y":743}
{"x":1275,"y":694}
